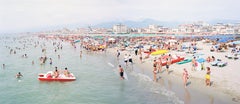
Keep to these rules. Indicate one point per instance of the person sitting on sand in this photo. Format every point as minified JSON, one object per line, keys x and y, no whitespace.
{"x":19,"y":75}
{"x":207,"y":76}
{"x":185,"y":77}
{"x":212,"y":49}
{"x":213,"y":58}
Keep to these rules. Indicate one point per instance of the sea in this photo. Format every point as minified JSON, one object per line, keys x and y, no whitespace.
{"x":97,"y":82}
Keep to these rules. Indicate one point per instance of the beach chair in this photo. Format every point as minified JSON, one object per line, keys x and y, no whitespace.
{"x":214,"y":63}
{"x":229,"y":56}
{"x":235,"y":57}
{"x":222,"y":64}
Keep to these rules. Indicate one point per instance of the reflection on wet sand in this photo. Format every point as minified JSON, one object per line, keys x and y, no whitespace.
{"x":187,"y":97}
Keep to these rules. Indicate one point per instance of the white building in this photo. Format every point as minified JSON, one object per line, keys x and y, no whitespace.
{"x":153,"y":29}
{"x":120,"y":29}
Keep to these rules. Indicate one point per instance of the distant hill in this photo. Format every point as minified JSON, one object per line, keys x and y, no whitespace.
{"x":225,"y":21}
{"x":146,"y":22}
{"x":138,"y":24}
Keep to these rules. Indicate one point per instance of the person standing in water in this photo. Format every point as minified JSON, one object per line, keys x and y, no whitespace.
{"x":32,"y":62}
{"x":121,"y":72}
{"x":80,"y":54}
{"x":126,"y":59}
{"x":118,"y":54}
{"x":3,"y":66}
{"x":58,"y":56}
{"x":130,"y":59}
{"x":50,"y":61}
{"x":185,"y":77}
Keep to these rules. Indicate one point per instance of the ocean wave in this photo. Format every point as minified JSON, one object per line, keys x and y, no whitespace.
{"x":157,"y":88}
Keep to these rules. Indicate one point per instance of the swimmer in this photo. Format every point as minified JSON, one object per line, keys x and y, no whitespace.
{"x":50,"y":61}
{"x":19,"y":75}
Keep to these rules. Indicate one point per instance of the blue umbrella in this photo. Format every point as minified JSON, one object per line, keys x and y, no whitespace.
{"x":201,"y":60}
{"x":223,"y":40}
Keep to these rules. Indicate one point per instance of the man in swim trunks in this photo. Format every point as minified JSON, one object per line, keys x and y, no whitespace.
{"x":121,"y":72}
{"x":118,"y":54}
{"x":126,"y":59}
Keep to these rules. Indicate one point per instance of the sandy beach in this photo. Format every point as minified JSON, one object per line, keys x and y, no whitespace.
{"x":224,"y":88}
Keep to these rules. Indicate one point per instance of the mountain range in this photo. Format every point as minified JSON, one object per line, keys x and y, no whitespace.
{"x":146,"y":22}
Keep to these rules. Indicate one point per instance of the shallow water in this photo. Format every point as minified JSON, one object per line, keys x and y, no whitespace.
{"x":97,"y":81}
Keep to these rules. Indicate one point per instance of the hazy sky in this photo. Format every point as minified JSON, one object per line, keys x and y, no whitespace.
{"x":25,"y":15}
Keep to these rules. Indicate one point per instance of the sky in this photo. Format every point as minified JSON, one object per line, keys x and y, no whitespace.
{"x":28,"y":15}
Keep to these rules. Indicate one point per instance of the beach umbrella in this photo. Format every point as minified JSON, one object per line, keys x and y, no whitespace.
{"x":223,"y":40}
{"x":201,"y":60}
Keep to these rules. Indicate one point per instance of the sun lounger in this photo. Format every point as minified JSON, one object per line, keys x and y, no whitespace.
{"x":215,"y":63}
{"x":235,"y":57}
{"x":222,"y":64}
{"x":229,"y":56}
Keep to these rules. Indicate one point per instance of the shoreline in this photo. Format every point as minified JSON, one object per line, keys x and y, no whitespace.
{"x":196,"y":88}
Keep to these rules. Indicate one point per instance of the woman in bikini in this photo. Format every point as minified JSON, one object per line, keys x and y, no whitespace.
{"x":207,"y":76}
{"x":185,"y":77}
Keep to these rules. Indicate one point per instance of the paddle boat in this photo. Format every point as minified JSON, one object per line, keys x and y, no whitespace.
{"x":184,"y":61}
{"x":49,"y":77}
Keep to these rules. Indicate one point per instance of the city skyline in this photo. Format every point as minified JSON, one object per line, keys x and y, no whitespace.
{"x":27,"y":15}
